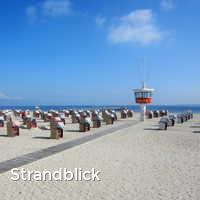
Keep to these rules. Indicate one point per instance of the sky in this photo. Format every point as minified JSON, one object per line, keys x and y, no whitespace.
{"x":78,"y":52}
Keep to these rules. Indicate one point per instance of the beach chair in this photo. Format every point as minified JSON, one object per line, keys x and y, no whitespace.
{"x":88,"y":113}
{"x":108,"y":117}
{"x":166,"y":112}
{"x":163,"y":123}
{"x":57,"y":127}
{"x":129,"y":113}
{"x":75,"y":117}
{"x":37,"y":114}
{"x":190,"y":115}
{"x":155,"y":113}
{"x":12,"y":128}
{"x":83,"y":114}
{"x":94,"y":113}
{"x":123,"y":114}
{"x":84,"y":124}
{"x":62,"y":117}
{"x":149,"y":114}
{"x":48,"y":117}
{"x":66,"y":112}
{"x":172,"y":119}
{"x":31,"y":123}
{"x":104,"y":114}
{"x":23,"y":114}
{"x":1,"y":121}
{"x":17,"y":113}
{"x":113,"y":112}
{"x":97,"y":121}
{"x":180,"y":118}
{"x":161,"y":113}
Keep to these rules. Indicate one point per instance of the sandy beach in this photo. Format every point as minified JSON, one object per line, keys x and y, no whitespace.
{"x":138,"y":162}
{"x":99,"y":100}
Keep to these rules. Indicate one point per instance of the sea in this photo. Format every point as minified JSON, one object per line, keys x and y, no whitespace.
{"x":136,"y":108}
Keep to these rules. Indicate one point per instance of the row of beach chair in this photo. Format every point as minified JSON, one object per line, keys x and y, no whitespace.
{"x":170,"y":120}
{"x":85,"y":119}
{"x":156,"y":113}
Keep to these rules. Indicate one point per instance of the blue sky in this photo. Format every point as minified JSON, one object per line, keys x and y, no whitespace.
{"x":90,"y":51}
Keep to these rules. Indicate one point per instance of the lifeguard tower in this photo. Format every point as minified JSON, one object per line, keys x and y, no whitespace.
{"x":143,"y":96}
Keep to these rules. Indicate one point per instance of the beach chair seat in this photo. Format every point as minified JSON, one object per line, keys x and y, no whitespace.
{"x":1,"y":121}
{"x":88,"y":113}
{"x":172,"y":118}
{"x":84,"y":124}
{"x":149,"y":114}
{"x":97,"y":121}
{"x":75,"y":117}
{"x":12,"y":128}
{"x":33,"y":123}
{"x":17,"y":113}
{"x":48,"y":117}
{"x":109,"y":119}
{"x":114,"y":114}
{"x":180,"y":118}
{"x":161,"y":113}
{"x":155,"y":113}
{"x":37,"y":114}
{"x":84,"y":127}
{"x":163,"y":124}
{"x":123,"y":114}
{"x":62,"y":117}
{"x":165,"y":112}
{"x":94,"y":114}
{"x":57,"y":128}
{"x":96,"y":124}
{"x":130,"y":113}
{"x":66,"y":113}
{"x":43,"y":127}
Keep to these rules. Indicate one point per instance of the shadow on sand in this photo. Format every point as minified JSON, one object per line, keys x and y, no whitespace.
{"x":3,"y":135}
{"x":195,"y":131}
{"x":195,"y":126}
{"x":74,"y":131}
{"x":151,"y":129}
{"x":39,"y":137}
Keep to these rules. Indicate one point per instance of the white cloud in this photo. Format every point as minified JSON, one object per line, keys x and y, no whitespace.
{"x":100,"y":21}
{"x":48,"y":8}
{"x":31,"y":12}
{"x":167,"y":5}
{"x":137,"y":27}
{"x":55,"y":8}
{"x":3,"y":96}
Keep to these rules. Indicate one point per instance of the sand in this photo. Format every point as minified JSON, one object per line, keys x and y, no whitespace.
{"x":138,"y":162}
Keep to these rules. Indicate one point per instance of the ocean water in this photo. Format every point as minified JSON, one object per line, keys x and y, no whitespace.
{"x":170,"y":108}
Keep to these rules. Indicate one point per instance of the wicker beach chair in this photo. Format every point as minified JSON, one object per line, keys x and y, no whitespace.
{"x":75,"y":117}
{"x":124,"y":114}
{"x":149,"y":114}
{"x":129,"y":113}
{"x":163,"y":123}
{"x":31,"y":123}
{"x":37,"y":114}
{"x":57,"y":127}
{"x":156,"y":113}
{"x":97,"y":119}
{"x":84,"y":124}
{"x":1,"y":121}
{"x":12,"y":127}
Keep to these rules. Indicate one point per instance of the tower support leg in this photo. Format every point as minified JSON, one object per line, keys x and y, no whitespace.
{"x":143,"y":112}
